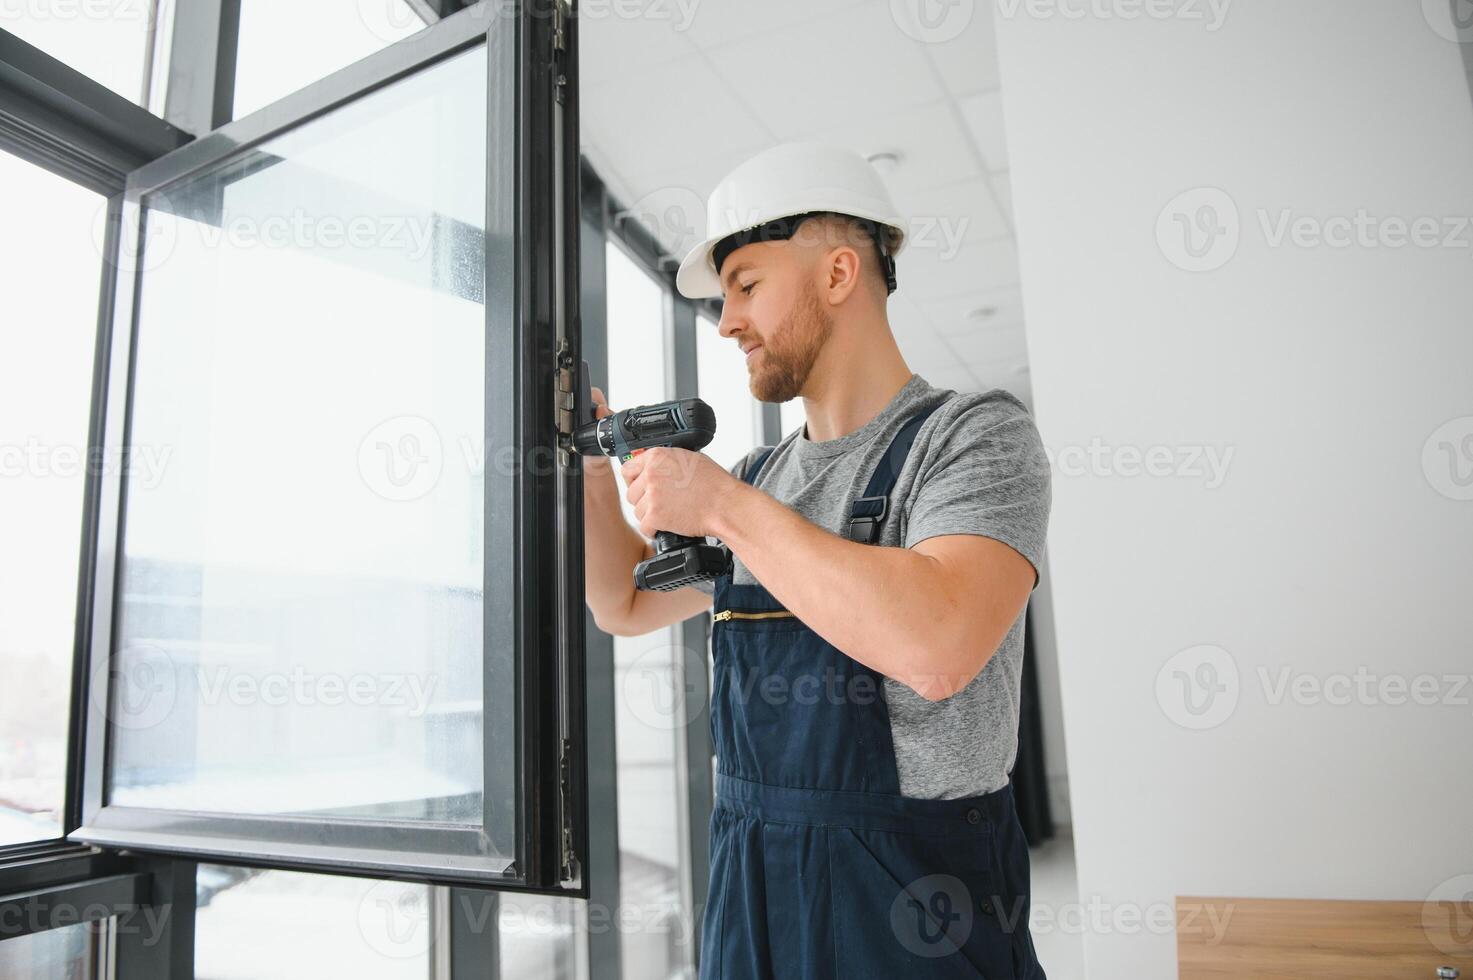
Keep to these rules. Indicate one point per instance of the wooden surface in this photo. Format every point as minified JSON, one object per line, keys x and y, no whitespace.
{"x":1281,"y":938}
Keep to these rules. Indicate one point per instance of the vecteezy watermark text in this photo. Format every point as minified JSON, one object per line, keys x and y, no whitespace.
{"x":1208,"y":464}
{"x":1200,"y":687}
{"x":1209,"y":13}
{"x":1201,"y":230}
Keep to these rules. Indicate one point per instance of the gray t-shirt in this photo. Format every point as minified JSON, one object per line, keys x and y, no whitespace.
{"x":977,"y":467}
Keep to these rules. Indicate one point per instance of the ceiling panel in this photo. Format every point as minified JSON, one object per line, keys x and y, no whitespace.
{"x":955,"y":315}
{"x":675,"y":98}
{"x":806,"y":81}
{"x":1002,"y":186}
{"x":947,"y":217}
{"x":997,"y":349}
{"x":725,"y":22}
{"x":660,"y":112}
{"x":610,"y":41}
{"x":955,"y":378}
{"x":968,"y":62}
{"x":933,"y":149}
{"x":983,"y":265}
{"x":983,"y":113}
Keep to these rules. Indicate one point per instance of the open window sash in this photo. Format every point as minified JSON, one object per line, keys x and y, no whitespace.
{"x":338,"y":611}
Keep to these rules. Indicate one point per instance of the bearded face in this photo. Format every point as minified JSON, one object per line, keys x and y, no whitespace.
{"x":781,"y":367}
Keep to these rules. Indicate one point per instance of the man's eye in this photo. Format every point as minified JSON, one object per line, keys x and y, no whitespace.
{"x":747,"y":289}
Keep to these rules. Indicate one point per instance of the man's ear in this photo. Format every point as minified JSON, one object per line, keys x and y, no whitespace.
{"x":841,"y":274}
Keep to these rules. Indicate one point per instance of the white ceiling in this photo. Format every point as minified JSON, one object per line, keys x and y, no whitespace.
{"x":675,"y":93}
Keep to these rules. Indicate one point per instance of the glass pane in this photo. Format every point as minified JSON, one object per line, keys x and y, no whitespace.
{"x":106,"y":41}
{"x":63,"y":953}
{"x":647,"y":723}
{"x":47,"y":334}
{"x":301,"y":614}
{"x":722,"y":380}
{"x":319,"y":926}
{"x":636,"y":311}
{"x":287,"y":44}
{"x":545,"y":938}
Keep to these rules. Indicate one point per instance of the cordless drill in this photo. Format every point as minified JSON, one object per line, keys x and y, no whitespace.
{"x":687,"y":423}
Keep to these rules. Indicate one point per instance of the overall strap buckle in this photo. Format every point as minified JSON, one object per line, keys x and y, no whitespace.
{"x":865,"y":517}
{"x":868,"y":513}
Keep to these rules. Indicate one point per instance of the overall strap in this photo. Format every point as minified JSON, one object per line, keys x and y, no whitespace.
{"x":868,"y":513}
{"x":756,"y":467}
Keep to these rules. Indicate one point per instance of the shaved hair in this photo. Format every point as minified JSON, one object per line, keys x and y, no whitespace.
{"x":833,"y":230}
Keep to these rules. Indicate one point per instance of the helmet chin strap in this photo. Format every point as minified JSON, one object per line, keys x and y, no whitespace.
{"x":887,"y":261}
{"x":783,"y":229}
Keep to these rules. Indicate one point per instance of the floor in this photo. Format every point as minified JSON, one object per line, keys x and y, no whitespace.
{"x":1056,"y":923}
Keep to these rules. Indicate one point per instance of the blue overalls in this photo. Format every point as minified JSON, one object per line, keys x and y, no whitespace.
{"x":820,"y":869}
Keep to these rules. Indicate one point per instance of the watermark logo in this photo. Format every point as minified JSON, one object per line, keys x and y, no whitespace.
{"x":675,"y":216}
{"x":1451,"y":19}
{"x":933,"y":21}
{"x":401,"y":458}
{"x":389,"y":24}
{"x":1363,"y":687}
{"x":1447,"y":916}
{"x":1199,"y":230}
{"x":1447,"y":459}
{"x":1198,"y":687}
{"x":680,"y":14}
{"x":658,"y":688}
{"x":145,"y":239}
{"x":932,"y":916}
{"x":1101,"y":917}
{"x":1209,"y":13}
{"x":136,"y":688}
{"x":394,"y":919}
{"x":35,"y":11}
{"x":1207,"y":464}
{"x":388,"y":20}
{"x":142,"y":464}
{"x":148,"y":922}
{"x":413,"y":693}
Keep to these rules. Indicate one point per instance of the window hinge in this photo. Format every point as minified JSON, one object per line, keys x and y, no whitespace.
{"x":565,"y":787}
{"x":565,"y":395}
{"x":560,"y":15}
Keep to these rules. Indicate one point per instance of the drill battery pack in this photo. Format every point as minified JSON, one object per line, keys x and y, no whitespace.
{"x":682,"y":566}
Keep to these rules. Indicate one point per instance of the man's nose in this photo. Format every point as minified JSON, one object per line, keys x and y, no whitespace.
{"x":730,"y":324}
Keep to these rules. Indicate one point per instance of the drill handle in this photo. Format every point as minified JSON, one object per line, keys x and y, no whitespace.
{"x":666,"y":541}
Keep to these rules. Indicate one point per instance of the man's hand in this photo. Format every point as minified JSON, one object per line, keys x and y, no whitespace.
{"x":598,"y":464}
{"x":612,"y":548}
{"x":677,"y":490}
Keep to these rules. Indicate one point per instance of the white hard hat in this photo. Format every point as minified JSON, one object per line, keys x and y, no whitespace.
{"x":784,"y":182}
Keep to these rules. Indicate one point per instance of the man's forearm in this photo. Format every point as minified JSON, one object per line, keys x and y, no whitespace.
{"x":889,"y":608}
{"x":611,"y":547}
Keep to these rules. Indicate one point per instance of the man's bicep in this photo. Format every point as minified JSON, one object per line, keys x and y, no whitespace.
{"x":991,"y":573}
{"x":987,"y":584}
{"x":989,"y":478}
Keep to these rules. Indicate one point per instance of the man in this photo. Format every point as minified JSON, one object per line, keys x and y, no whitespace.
{"x":868,"y":639}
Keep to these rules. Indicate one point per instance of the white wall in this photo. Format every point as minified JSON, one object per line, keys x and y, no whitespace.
{"x":1051,"y":705}
{"x":1328,"y":545}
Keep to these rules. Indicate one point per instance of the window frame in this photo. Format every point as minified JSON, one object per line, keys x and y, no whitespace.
{"x":529,"y":263}
{"x":76,"y":128}
{"x":609,"y":221}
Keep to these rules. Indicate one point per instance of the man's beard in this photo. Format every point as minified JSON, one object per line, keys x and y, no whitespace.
{"x":788,"y":356}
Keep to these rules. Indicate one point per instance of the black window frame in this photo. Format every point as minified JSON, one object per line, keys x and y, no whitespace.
{"x":522,"y":247}
{"x":67,"y":123}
